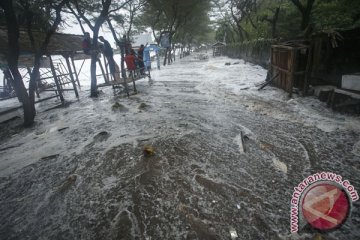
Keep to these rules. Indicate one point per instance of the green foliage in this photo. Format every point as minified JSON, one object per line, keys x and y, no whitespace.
{"x":38,"y":13}
{"x":336,"y":14}
{"x":257,"y":22}
{"x":179,"y":18}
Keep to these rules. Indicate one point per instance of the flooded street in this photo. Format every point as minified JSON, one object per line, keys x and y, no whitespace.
{"x":81,"y":172}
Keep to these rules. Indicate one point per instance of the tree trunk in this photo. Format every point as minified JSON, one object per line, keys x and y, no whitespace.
{"x":165,"y":56}
{"x":274,"y":22}
{"x":305,"y":12}
{"x":170,"y":56}
{"x":35,"y":74}
{"x":12,"y":58}
{"x":94,"y":54}
{"x":22,"y":94}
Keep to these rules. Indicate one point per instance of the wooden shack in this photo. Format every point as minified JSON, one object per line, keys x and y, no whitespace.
{"x":288,"y":65}
{"x":323,"y":60}
{"x":218,"y":48}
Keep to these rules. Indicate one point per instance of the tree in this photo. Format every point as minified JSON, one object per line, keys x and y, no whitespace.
{"x":27,"y":17}
{"x":83,"y":10}
{"x":131,"y":8}
{"x":344,"y":14}
{"x":171,"y":15}
{"x":12,"y":59}
{"x":272,"y":20}
{"x":305,"y":11}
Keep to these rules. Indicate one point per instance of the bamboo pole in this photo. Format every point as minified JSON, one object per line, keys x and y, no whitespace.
{"x":71,"y":76}
{"x":56,"y":80}
{"x":75,"y":72}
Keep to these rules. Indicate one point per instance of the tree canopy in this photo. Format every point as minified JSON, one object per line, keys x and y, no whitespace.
{"x":243,"y":20}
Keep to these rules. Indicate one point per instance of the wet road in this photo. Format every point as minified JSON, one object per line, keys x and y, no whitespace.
{"x":97,"y":184}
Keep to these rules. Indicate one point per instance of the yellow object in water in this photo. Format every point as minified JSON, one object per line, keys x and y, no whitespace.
{"x":148,"y":150}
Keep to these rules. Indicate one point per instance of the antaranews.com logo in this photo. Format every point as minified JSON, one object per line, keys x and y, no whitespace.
{"x":323,"y":200}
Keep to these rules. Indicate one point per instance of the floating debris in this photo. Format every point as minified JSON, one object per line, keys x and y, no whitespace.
{"x":148,"y":150}
{"x":117,"y":106}
{"x":318,"y":236}
{"x":101,"y":136}
{"x":143,"y":106}
{"x":67,"y":184}
{"x":233,"y":234}
{"x":49,"y":157}
{"x":239,"y":139}
{"x":61,"y":129}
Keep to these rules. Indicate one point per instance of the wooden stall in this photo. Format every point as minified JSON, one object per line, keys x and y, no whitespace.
{"x":218,"y":48}
{"x":318,"y":65}
{"x":288,"y":65}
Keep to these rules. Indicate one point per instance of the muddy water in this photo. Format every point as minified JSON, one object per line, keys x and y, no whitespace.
{"x":197,"y":185}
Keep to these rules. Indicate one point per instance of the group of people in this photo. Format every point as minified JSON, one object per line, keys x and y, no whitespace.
{"x":132,"y":60}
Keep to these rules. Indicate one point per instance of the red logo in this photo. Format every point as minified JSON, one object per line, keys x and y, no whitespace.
{"x":325,"y":206}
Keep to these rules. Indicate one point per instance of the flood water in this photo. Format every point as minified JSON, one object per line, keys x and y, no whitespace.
{"x":81,"y":171}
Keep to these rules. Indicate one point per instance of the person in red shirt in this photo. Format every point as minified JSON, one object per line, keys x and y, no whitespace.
{"x":130,"y":61}
{"x":86,"y":44}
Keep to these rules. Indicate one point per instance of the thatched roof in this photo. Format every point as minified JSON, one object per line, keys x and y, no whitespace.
{"x":59,"y":42}
{"x":219,"y":44}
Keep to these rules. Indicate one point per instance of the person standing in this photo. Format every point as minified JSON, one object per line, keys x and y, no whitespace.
{"x":108,"y":52}
{"x":141,"y":59}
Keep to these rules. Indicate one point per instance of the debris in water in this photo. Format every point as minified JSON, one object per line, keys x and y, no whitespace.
{"x":280,"y":165}
{"x":117,"y":106}
{"x":143,"y":106}
{"x":356,"y":149}
{"x":227,"y":64}
{"x":233,"y":233}
{"x":67,"y":183}
{"x":148,"y":150}
{"x":101,"y":136}
{"x":238,"y":206}
{"x":265,"y":146}
{"x":318,"y":236}
{"x":72,"y":178}
{"x":61,"y":129}
{"x":49,"y":157}
{"x":240,"y":141}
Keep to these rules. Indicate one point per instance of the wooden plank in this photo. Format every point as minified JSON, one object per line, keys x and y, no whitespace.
{"x":121,"y":81}
{"x":240,"y":142}
{"x":71,"y":76}
{"x":268,"y":82}
{"x":75,"y":72}
{"x":56,"y":80}
{"x":347,"y":93}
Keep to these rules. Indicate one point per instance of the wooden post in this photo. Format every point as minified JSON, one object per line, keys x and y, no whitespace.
{"x":293,"y":67}
{"x":107,"y":79}
{"x":56,"y":79}
{"x":132,"y":77}
{"x":102,"y":69}
{"x":75,"y":72}
{"x":71,"y":75}
{"x":308,"y":69}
